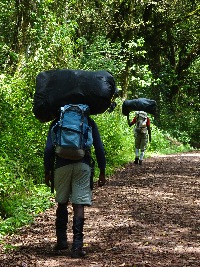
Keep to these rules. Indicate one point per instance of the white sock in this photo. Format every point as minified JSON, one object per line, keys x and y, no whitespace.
{"x":141,"y":155}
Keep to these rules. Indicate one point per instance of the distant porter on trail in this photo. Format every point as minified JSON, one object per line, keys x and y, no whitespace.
{"x":142,"y":131}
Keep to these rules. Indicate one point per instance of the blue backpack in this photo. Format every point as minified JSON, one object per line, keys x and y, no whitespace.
{"x":72,"y":135}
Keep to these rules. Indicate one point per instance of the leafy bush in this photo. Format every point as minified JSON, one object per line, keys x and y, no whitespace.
{"x":22,"y":206}
{"x":21,"y":166}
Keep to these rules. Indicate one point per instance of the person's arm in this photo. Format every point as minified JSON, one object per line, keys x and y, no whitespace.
{"x":130,"y":123}
{"x":128,"y":120}
{"x":149,"y":129}
{"x":100,"y":153}
{"x":49,"y":157}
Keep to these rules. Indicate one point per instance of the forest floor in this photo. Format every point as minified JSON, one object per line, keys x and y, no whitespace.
{"x":146,"y":216}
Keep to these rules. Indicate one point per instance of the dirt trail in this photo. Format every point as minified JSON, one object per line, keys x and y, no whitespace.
{"x":146,"y":216}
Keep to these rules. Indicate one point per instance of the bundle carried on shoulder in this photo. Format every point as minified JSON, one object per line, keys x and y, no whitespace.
{"x":139,"y":104}
{"x":56,"y":88}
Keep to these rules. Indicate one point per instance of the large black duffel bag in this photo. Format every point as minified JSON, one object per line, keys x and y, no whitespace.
{"x":56,"y":88}
{"x":139,"y":104}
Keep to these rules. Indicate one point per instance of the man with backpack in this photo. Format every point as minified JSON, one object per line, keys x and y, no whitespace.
{"x":141,"y":132}
{"x":72,"y":181}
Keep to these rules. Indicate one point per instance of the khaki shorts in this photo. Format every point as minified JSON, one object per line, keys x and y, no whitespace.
{"x":141,"y":141}
{"x":72,"y":182}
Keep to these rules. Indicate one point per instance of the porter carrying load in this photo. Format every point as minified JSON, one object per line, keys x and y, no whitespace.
{"x":56,"y":88}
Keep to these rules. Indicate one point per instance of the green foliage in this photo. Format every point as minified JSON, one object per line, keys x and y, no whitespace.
{"x":22,"y":206}
{"x":21,"y":167}
{"x":102,"y":54}
{"x":180,"y":116}
{"x":21,"y":135}
{"x":163,"y":143}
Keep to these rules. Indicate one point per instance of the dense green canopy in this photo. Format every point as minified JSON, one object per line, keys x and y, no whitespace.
{"x":152,"y":47}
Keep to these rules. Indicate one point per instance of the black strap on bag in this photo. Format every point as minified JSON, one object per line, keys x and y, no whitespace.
{"x":92,"y":166}
{"x":52,"y":173}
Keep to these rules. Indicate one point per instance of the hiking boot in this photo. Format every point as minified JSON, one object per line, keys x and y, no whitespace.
{"x":77,"y":246}
{"x":140,"y":162}
{"x":78,"y":253}
{"x":61,"y":227}
{"x":136,"y":160}
{"x":61,"y":245}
